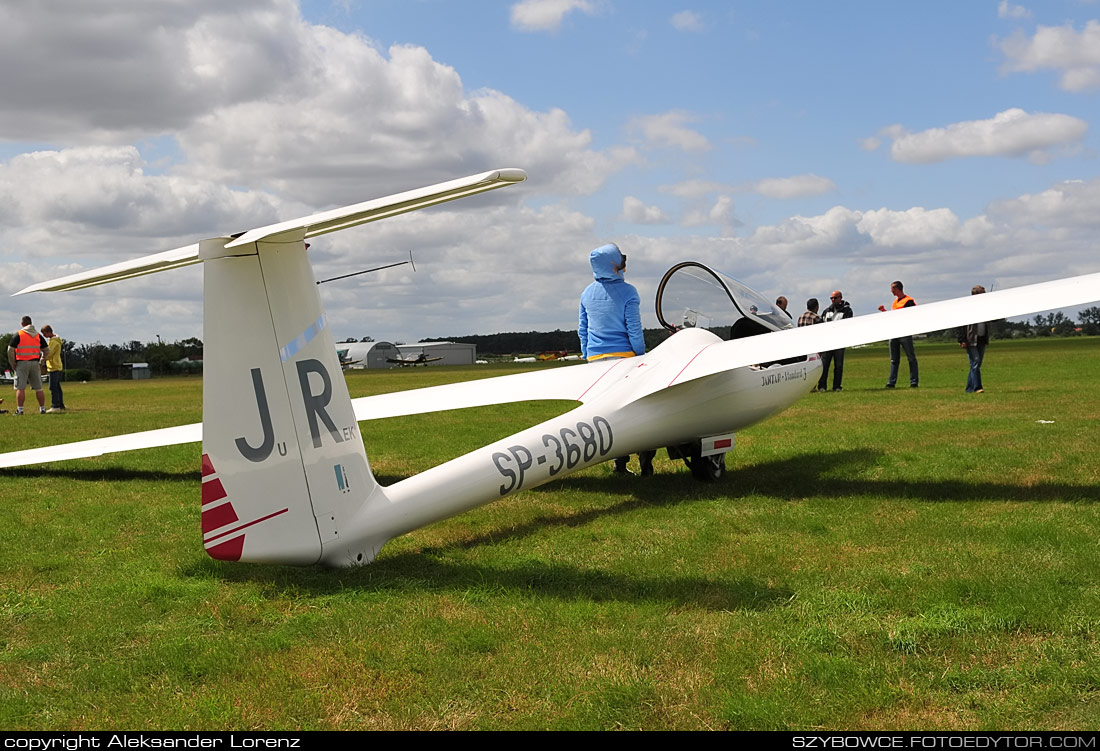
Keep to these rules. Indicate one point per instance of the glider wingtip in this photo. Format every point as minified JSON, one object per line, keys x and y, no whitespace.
{"x":512,"y":174}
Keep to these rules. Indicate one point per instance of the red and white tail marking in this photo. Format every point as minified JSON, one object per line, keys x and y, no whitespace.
{"x":223,"y":534}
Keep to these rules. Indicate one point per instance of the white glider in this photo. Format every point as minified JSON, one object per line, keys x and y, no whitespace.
{"x":285,"y":475}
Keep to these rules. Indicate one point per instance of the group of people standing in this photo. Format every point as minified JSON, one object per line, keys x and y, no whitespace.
{"x":29,"y":353}
{"x":972,"y":338}
{"x":838,"y":310}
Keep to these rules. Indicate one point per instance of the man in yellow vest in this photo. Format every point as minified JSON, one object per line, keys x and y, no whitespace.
{"x":901,"y":300}
{"x":26,"y":351}
{"x":55,"y":369}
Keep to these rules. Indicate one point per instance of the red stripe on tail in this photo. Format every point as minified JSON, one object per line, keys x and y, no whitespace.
{"x":230,"y":550}
{"x":218,"y":517}
{"x":212,"y":490}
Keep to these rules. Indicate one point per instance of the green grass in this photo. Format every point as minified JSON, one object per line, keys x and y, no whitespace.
{"x":909,"y":559}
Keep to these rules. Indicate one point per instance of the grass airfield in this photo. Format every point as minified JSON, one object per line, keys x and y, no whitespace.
{"x":908,"y":559}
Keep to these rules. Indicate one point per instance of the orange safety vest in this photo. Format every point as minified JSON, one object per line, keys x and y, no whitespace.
{"x":902,"y":302}
{"x":28,"y":348}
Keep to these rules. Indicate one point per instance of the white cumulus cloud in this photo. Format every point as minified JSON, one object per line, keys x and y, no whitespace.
{"x":1008,"y":11}
{"x":915,"y":227}
{"x":1013,"y":133}
{"x":687,"y":20}
{"x":669,"y":130}
{"x":546,"y":15}
{"x":1076,"y":54}
{"x":636,"y":212}
{"x":794,"y":187}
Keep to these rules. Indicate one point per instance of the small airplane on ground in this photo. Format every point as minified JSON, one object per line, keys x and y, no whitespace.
{"x":413,"y":360}
{"x":285,"y":477}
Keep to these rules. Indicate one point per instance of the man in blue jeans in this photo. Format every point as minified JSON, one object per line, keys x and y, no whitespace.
{"x":973,"y":339}
{"x":901,"y":300}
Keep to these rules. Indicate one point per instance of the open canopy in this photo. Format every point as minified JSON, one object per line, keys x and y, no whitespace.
{"x":692,"y":295}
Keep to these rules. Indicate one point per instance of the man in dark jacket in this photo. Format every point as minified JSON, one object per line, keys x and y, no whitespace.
{"x":973,"y":339}
{"x":838,"y":310}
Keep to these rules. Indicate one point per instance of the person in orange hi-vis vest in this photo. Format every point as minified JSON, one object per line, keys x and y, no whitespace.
{"x":26,"y":352}
{"x":901,"y":300}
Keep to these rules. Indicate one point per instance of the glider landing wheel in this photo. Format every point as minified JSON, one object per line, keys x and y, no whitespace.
{"x":707,"y":468}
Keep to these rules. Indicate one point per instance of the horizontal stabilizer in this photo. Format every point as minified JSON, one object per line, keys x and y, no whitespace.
{"x":96,"y":447}
{"x":381,"y":208}
{"x":169,"y":259}
{"x":316,"y":224}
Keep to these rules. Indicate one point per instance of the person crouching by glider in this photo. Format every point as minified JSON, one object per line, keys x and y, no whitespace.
{"x":611,"y":323}
{"x":25,"y":354}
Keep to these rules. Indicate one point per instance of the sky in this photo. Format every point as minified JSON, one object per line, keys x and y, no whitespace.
{"x":800,"y":147}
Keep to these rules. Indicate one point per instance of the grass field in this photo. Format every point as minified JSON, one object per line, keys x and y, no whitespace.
{"x":909,"y":559}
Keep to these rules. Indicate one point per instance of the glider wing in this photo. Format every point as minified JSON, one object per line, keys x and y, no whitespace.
{"x":919,"y":319}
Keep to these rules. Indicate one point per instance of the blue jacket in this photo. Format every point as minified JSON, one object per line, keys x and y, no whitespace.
{"x":610,"y":315}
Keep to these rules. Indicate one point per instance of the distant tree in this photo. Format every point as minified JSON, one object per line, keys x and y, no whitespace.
{"x":190,"y":347}
{"x":1018,"y":330}
{"x":161,"y":355}
{"x":1090,"y":320}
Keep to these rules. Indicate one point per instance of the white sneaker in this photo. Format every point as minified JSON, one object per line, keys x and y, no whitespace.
{"x":52,"y":410}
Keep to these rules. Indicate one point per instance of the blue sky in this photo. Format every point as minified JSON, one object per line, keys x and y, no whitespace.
{"x":798,"y":146}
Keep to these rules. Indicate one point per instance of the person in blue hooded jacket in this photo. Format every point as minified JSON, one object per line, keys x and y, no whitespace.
{"x":611,"y":322}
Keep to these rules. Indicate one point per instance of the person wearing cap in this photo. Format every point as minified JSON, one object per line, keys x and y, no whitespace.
{"x":610,"y":322}
{"x":839,"y":309}
{"x":901,"y":300}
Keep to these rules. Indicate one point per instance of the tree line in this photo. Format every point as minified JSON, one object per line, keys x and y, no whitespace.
{"x":96,"y":360}
{"x":533,"y":342}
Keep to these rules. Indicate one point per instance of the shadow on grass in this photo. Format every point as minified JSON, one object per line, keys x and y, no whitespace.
{"x":836,"y":474}
{"x":812,"y":475}
{"x":109,"y":474}
{"x":420,"y":571}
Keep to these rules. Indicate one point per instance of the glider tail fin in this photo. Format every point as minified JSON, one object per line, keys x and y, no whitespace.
{"x":284,"y":468}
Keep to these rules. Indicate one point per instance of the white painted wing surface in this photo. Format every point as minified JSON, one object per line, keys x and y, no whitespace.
{"x":98,"y":446}
{"x":919,"y":319}
{"x":567,"y":383}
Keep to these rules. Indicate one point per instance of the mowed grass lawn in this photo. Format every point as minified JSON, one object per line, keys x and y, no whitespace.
{"x":909,"y":559}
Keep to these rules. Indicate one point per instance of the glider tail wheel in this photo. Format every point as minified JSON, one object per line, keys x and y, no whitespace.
{"x":703,"y":468}
{"x":707,"y":468}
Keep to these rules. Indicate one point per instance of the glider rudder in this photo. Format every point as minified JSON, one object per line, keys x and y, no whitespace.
{"x":284,"y":468}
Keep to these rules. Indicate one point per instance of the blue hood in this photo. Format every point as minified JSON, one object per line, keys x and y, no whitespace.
{"x":604,"y":259}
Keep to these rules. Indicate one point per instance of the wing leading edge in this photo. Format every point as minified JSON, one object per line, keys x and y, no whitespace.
{"x":919,"y":319}
{"x":313,"y":225}
{"x":566,"y":384}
